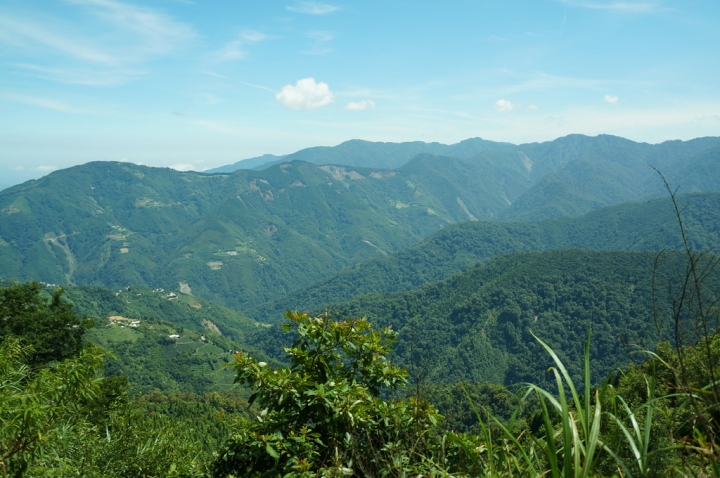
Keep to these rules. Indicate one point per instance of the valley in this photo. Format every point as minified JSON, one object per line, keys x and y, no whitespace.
{"x":475,"y":264}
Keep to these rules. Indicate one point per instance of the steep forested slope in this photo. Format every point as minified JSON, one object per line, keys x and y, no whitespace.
{"x":370,"y":154}
{"x":240,"y":238}
{"x":477,"y":325}
{"x":577,"y":174}
{"x":645,"y":226}
{"x":248,"y":237}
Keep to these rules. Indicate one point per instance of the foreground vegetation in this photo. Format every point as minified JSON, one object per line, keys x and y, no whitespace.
{"x":335,"y":410}
{"x":341,"y":407}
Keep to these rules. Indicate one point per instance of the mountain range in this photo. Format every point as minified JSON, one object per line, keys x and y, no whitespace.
{"x":643,"y":226}
{"x":241,"y":239}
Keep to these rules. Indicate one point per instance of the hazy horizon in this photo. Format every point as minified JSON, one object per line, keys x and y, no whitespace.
{"x":194,"y":85}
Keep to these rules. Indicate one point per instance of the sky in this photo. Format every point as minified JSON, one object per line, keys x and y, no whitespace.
{"x":198,"y":84}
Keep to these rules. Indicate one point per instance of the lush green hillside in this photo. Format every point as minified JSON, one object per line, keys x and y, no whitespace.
{"x":570,"y":176}
{"x":238,"y":239}
{"x":153,"y":359}
{"x":368,"y":154}
{"x":136,"y":325}
{"x":182,"y":310}
{"x":646,"y":226}
{"x":476,"y":325}
{"x":577,"y":174}
{"x":245,"y":238}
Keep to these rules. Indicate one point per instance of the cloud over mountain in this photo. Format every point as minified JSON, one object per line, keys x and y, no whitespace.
{"x":306,"y":94}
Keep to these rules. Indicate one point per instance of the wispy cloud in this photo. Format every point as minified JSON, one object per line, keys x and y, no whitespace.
{"x":46,"y":169}
{"x":157,"y":31}
{"x":320,"y":42}
{"x":80,"y":75}
{"x":504,"y":105}
{"x":235,"y":50}
{"x":611,"y":99}
{"x":217,"y":75}
{"x":23,"y":33}
{"x":41,"y":102}
{"x":252,"y":36}
{"x":252,"y":85}
{"x":231,"y":51}
{"x":312,"y":8}
{"x":131,"y":35}
{"x":629,"y":7}
{"x":359,"y":105}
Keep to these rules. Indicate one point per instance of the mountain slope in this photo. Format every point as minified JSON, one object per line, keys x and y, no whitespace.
{"x":368,"y":154}
{"x":577,"y":174}
{"x":248,"y":237}
{"x":477,"y":325}
{"x":646,"y":226}
{"x":259,"y":162}
{"x":239,"y":239}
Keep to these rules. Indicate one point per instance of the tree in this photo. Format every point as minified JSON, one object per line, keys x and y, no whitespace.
{"x":35,"y":401}
{"x":322,"y":415}
{"x":51,"y":327}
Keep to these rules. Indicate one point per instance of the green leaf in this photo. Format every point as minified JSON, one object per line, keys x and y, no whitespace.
{"x":271,"y":451}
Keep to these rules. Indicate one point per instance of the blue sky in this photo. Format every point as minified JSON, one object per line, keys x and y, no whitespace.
{"x":198,"y":84}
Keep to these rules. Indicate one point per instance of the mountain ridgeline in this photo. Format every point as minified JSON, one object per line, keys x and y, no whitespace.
{"x":244,"y":238}
{"x":478,"y":326}
{"x":644,"y":226}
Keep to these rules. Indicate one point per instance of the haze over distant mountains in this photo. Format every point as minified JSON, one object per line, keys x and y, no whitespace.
{"x":247,"y":237}
{"x":370,"y":154}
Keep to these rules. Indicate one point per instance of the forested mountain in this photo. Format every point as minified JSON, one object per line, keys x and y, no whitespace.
{"x":163,"y":341}
{"x":477,"y":325}
{"x":247,"y":237}
{"x":570,"y":175}
{"x":644,"y":226}
{"x":582,"y":174}
{"x":240,"y":238}
{"x":259,"y":162}
{"x":370,"y":154}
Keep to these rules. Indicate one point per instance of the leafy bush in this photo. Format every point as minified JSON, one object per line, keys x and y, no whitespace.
{"x":322,"y":415}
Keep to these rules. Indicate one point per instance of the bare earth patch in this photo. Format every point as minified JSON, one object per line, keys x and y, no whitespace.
{"x":185,"y":288}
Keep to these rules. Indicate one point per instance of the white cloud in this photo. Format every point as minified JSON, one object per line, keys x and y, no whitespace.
{"x":183,"y":167}
{"x":533,"y":107}
{"x":611,"y":99}
{"x":503,"y":105}
{"x":18,"y":168}
{"x":312,"y":8}
{"x":359,"y":105}
{"x":306,"y":94}
{"x":46,"y":168}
